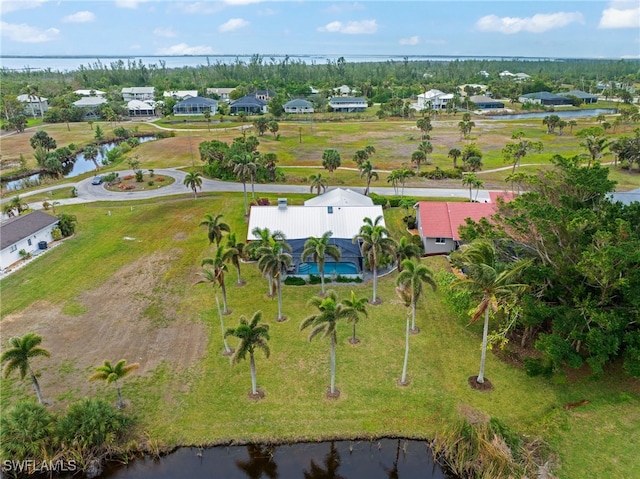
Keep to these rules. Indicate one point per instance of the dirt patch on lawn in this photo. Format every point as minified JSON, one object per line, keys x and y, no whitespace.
{"x":132,"y":316}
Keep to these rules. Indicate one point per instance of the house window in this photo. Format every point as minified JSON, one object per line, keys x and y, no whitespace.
{"x":441,"y":240}
{"x":13,"y":248}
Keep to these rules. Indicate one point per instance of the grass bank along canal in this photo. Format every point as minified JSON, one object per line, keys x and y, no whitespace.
{"x":383,"y":459}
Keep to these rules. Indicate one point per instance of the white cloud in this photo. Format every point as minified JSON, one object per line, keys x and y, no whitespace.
{"x":165,"y":32}
{"x":184,"y":49}
{"x":12,"y":6}
{"x":621,"y":15}
{"x":414,"y":40}
{"x":539,"y":23}
{"x":344,"y":7}
{"x":233,"y":24}
{"x":351,"y":28}
{"x":241,"y":2}
{"x":80,"y":17}
{"x":24,"y":33}
{"x":197,"y":8}
{"x":129,"y":3}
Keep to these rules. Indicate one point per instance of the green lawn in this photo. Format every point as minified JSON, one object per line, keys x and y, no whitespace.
{"x":206,"y":402}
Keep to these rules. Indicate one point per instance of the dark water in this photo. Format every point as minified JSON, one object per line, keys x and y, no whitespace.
{"x":74,"y":168}
{"x":561,"y":114}
{"x":384,"y":459}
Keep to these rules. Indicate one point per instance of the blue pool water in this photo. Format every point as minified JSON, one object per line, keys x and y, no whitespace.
{"x":329,"y":268}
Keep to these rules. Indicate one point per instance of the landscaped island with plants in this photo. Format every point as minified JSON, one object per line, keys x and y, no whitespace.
{"x":158,"y":320}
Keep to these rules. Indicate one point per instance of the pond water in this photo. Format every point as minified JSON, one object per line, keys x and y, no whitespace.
{"x":561,"y":114}
{"x":74,"y":168}
{"x":383,"y":459}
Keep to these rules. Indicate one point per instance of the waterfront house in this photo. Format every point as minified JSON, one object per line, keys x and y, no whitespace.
{"x":544,"y":98}
{"x":298,"y":106}
{"x":248,"y":104}
{"x":347,"y":104}
{"x":195,"y":106}
{"x":141,"y":93}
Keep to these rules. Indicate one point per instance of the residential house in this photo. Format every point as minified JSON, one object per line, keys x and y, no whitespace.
{"x":585,"y":97}
{"x":140,"y":108}
{"x":545,"y":98}
{"x":89,"y":92}
{"x":438,"y":222}
{"x":180,"y":94}
{"x":484,"y":102}
{"x":347,"y":104}
{"x":298,"y":106}
{"x":344,"y":90}
{"x":434,"y":99}
{"x":90,"y":105}
{"x":514,"y":76}
{"x":195,"y":106}
{"x":248,"y":104}
{"x":33,"y":105}
{"x":264,"y":95}
{"x":341,"y":212}
{"x":222,"y":93}
{"x":30,"y":232}
{"x":141,"y":93}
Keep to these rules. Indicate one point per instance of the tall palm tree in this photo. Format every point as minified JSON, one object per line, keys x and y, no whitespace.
{"x":403,"y":174}
{"x":274,"y":259}
{"x":595,"y":145}
{"x":375,"y":243}
{"x":366,"y":171}
{"x":215,"y":228}
{"x":236,"y":253}
{"x":427,"y":148}
{"x":90,"y":153}
{"x":252,"y":336}
{"x":215,"y":274}
{"x":472,"y":181}
{"x":21,"y":350}
{"x":208,"y":276}
{"x":318,"y":182}
{"x":393,"y":178}
{"x":112,"y":374}
{"x":493,"y":282}
{"x":318,"y":249}
{"x":406,"y":250}
{"x":418,"y":157}
{"x":325,"y":322}
{"x":244,"y":168}
{"x":359,"y":306}
{"x":411,"y":278}
{"x":405,"y":296}
{"x":454,"y":154}
{"x":265,"y":238}
{"x":193,"y":180}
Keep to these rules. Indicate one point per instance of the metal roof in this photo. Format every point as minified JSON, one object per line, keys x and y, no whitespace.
{"x":248,"y":101}
{"x":90,"y":101}
{"x":579,"y":94}
{"x":347,"y":99}
{"x":299,"y":222}
{"x":196,"y":101}
{"x":19,"y":228}
{"x":340,"y":197}
{"x":297,"y":103}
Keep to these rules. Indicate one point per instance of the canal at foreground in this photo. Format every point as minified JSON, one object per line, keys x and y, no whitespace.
{"x":384,"y":459}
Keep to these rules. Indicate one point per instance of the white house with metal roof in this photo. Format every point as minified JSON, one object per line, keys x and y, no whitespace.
{"x":30,"y":232}
{"x":435,"y":99}
{"x":180,"y":94}
{"x":85,"y":92}
{"x":298,"y":106}
{"x":347,"y":104}
{"x":33,"y":105}
{"x":340,"y":197}
{"x":138,"y":93}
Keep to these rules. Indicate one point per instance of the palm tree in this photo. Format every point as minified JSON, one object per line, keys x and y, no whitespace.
{"x":427,"y":148}
{"x":244,"y":168}
{"x":17,"y":357}
{"x":331,"y":160}
{"x":411,"y":278}
{"x":472,"y":181}
{"x":418,"y":157}
{"x":403,"y":174}
{"x":235,"y":253}
{"x":358,"y":305}
{"x":393,"y":178}
{"x":215,"y":228}
{"x":375,"y":244}
{"x":265,"y":238}
{"x":366,"y":171}
{"x":318,"y":248}
{"x":207,"y":117}
{"x":405,"y":296}
{"x":454,"y":154}
{"x":112,"y":373}
{"x":406,"y":250}
{"x":318,"y":182}
{"x":252,"y":336}
{"x":193,"y":180}
{"x":215,"y":274}
{"x":490,"y":280}
{"x":90,"y":153}
{"x":208,"y":276}
{"x":595,"y":145}
{"x":274,"y":259}
{"x":325,"y":322}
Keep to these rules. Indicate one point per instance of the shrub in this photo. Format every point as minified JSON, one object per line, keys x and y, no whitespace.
{"x":26,"y":432}
{"x":410,"y":221}
{"x":346,"y":279}
{"x":294,"y":281}
{"x":150,"y":182}
{"x":67,"y":224}
{"x":24,"y":254}
{"x":165,"y":134}
{"x":124,"y":148}
{"x":56,"y":234}
{"x":110,"y":177}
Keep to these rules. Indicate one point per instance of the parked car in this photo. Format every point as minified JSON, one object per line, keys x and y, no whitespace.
{"x":97,"y":180}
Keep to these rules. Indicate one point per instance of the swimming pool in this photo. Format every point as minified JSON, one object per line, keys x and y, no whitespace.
{"x":329,"y":268}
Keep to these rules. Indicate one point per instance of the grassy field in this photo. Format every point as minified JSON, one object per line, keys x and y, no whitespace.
{"x":125,"y":287}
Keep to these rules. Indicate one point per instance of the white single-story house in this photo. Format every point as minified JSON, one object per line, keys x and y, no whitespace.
{"x":438,"y":221}
{"x":138,"y":93}
{"x":140,"y":108}
{"x":90,"y":105}
{"x":326,"y":212}
{"x":180,"y":94}
{"x":89,"y":92}
{"x":30,"y":232}
{"x":33,"y":105}
{"x":196,"y":106}
{"x":514,"y":76}
{"x":435,"y":99}
{"x":298,"y":106}
{"x":223,"y":93}
{"x":248,"y":104}
{"x":347,"y":104}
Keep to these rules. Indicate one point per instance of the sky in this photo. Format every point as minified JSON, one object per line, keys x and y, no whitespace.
{"x":556,"y":29}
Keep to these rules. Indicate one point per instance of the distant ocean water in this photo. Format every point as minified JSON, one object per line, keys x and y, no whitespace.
{"x":71,"y":63}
